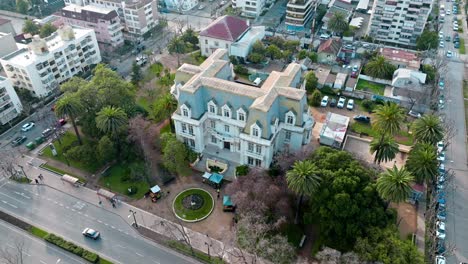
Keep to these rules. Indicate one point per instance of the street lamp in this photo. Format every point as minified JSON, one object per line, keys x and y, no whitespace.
{"x":208,"y":246}
{"x":134,"y":218}
{"x":22,"y":169}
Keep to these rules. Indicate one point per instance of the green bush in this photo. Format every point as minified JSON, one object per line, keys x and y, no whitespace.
{"x":70,"y":247}
{"x":90,"y":256}
{"x":192,"y":155}
{"x":242,"y":170}
{"x":327,"y":90}
{"x":239,"y":69}
{"x":132,"y":190}
{"x":368,"y":104}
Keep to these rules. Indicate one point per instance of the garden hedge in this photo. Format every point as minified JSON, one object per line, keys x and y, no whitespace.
{"x":70,"y":247}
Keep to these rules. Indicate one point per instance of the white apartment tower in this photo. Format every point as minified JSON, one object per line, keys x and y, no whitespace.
{"x":298,"y":14}
{"x":250,"y":8}
{"x":137,"y":16}
{"x":399,"y":22}
{"x":10,"y":104}
{"x":43,"y":64}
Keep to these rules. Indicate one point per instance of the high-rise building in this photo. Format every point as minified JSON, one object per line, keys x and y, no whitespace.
{"x":137,"y":17}
{"x":250,"y":8}
{"x":43,"y":64}
{"x":298,"y":14}
{"x":10,"y":104}
{"x":399,"y":22}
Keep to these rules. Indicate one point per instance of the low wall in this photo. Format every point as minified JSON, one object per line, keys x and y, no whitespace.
{"x":376,"y":80}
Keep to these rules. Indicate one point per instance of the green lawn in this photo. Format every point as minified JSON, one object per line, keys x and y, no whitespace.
{"x":113,"y":182}
{"x":69,"y":139}
{"x":62,"y":172}
{"x":403,"y":137}
{"x":189,"y":214}
{"x":460,"y":28}
{"x":372,"y":87}
{"x":185,"y":249}
{"x":462,"y":46}
{"x":144,"y":102}
{"x":38,"y":232}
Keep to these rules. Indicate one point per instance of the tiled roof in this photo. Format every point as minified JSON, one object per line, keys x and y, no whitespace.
{"x":330,"y":46}
{"x":226,"y":28}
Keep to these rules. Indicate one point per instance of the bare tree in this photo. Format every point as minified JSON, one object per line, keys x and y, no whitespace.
{"x":8,"y":167}
{"x":13,"y":254}
{"x":178,"y":232}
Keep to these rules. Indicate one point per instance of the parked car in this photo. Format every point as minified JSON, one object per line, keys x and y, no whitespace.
{"x":441,"y":44}
{"x":47,"y":132}
{"x":440,"y":260}
{"x":141,"y":60}
{"x":333,"y":102}
{"x":440,"y":146}
{"x":440,"y":235}
{"x":362,"y":118}
{"x":414,"y":114}
{"x":447,"y":38}
{"x":324,"y":36}
{"x":441,"y":157}
{"x":324,"y":101}
{"x":440,"y":247}
{"x":355,"y":68}
{"x":456,"y":45}
{"x":350,"y":105}
{"x":341,"y":102}
{"x":28,"y":126}
{"x":91,"y":233}
{"x":354,"y":74}
{"x":62,"y":121}
{"x":18,"y":141}
{"x":442,"y":214}
{"x":441,"y":83}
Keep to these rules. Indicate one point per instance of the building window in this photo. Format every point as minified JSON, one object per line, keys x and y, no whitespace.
{"x":184,"y":128}
{"x":206,"y":41}
{"x":216,"y":43}
{"x":227,"y":46}
{"x":258,"y":149}
{"x":288,"y":136}
{"x":255,"y":132}
{"x":226,"y":128}
{"x":190,"y":129}
{"x":241,"y":117}
{"x":206,"y":50}
{"x":185,"y":112}
{"x":213,"y":140}
{"x":212,"y":124}
{"x":290,"y":118}
{"x":189,"y":142}
{"x":212,"y":109}
{"x":250,"y":147}
{"x":254,"y":162}
{"x":226,"y":113}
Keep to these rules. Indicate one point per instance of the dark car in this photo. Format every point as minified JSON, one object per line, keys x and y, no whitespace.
{"x":18,"y":141}
{"x":362,"y":118}
{"x":333,"y":102}
{"x":456,"y":45}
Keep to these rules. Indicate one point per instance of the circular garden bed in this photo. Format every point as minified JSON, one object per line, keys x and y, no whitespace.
{"x":193,"y":205}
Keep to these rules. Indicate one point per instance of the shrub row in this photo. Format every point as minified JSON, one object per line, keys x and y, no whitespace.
{"x":70,"y":247}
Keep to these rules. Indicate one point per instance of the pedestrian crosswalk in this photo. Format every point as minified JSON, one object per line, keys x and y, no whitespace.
{"x":455,"y":54}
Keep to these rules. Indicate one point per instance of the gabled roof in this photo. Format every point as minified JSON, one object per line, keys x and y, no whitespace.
{"x":331,"y":46}
{"x":226,"y":28}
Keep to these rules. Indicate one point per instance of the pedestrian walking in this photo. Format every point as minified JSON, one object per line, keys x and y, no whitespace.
{"x":41,"y":177}
{"x":218,"y":193}
{"x":37,"y":182}
{"x":113,"y":204}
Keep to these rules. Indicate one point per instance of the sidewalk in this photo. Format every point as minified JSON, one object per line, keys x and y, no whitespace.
{"x":150,"y":221}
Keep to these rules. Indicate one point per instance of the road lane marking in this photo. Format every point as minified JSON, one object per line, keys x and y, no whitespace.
{"x":12,"y":205}
{"x":99,"y":221}
{"x":22,"y":194}
{"x":42,"y":262}
{"x":113,"y":227}
{"x":12,"y":198}
{"x":139,"y":254}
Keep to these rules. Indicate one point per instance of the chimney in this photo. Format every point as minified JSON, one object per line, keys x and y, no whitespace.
{"x":66,"y":33}
{"x":38,"y":45}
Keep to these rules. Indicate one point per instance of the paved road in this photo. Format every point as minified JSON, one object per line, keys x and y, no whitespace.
{"x":34,"y":249}
{"x":68,"y":216}
{"x":457,"y":220}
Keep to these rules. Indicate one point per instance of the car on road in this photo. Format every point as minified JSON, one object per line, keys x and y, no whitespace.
{"x":28,"y":126}
{"x":440,"y":260}
{"x":223,"y":2}
{"x":441,"y":34}
{"x":456,"y":45}
{"x":350,"y":105}
{"x":449,"y":54}
{"x":341,"y":102}
{"x":47,"y":132}
{"x":441,"y":44}
{"x":362,"y":118}
{"x":91,"y":233}
{"x":18,"y":141}
{"x":448,"y":12}
{"x":447,"y":38}
{"x":414,"y":114}
{"x":333,"y":102}
{"x":324,"y":101}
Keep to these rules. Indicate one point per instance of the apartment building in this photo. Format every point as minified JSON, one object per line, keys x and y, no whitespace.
{"x":8,"y":43}
{"x":43,"y":64}
{"x":180,"y":5}
{"x":137,"y":17}
{"x":250,"y":8}
{"x":237,"y":122}
{"x":10,"y":104}
{"x":298,"y":14}
{"x":399,"y":22}
{"x":104,"y":21}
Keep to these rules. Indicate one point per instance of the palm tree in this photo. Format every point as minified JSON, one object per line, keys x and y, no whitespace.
{"x":303,"y":179}
{"x":379,"y":67}
{"x":428,"y":129}
{"x":69,"y":106}
{"x":385,"y":148}
{"x":388,"y":118}
{"x":110,"y":120}
{"x":395,"y":185}
{"x":338,"y":23}
{"x":422,"y":162}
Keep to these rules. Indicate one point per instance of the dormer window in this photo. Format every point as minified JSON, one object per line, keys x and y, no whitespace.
{"x":226,"y":111}
{"x":185,"y":110}
{"x":255,"y":130}
{"x":290,"y":118}
{"x":241,"y":115}
{"x":212,"y":108}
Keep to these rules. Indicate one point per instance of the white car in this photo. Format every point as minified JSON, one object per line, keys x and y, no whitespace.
{"x":441,"y":226}
{"x":324,"y":36}
{"x":91,"y":233}
{"x":440,"y":146}
{"x":324,"y":101}
{"x":441,"y":44}
{"x":449,"y":54}
{"x":440,"y":260}
{"x":455,"y":28}
{"x":200,"y":7}
{"x":441,"y":157}
{"x":350,"y":105}
{"x":28,"y":126}
{"x":441,"y":34}
{"x":440,"y":235}
{"x":341,"y":102}
{"x":414,"y":114}
{"x":448,"y":12}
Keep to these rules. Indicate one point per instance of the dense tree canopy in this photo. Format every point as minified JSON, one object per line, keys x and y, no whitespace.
{"x":379,"y":67}
{"x":427,"y":40}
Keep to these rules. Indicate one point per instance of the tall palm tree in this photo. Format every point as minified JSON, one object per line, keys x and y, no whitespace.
{"x":422,"y":163}
{"x":303,"y":179}
{"x":379,"y":67}
{"x":428,"y":129}
{"x":388,"y":118}
{"x":69,"y":106}
{"x":338,"y":23}
{"x":385,"y":148}
{"x":395,"y":185}
{"x":110,"y":120}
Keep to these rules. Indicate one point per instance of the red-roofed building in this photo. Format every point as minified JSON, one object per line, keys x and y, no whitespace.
{"x":401,"y":58}
{"x":328,"y":50}
{"x":227,"y":31}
